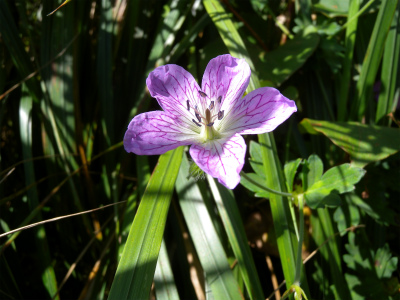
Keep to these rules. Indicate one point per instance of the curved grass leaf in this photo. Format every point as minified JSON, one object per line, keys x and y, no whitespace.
{"x":233,"y":224}
{"x":209,"y":248}
{"x":136,"y":268}
{"x":364,"y":143}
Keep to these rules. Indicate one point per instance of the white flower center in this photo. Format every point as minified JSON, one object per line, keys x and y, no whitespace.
{"x":205,"y":116}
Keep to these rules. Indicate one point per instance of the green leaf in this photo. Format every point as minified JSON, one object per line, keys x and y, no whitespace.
{"x":254,"y":188}
{"x":337,"y":180}
{"x":256,"y":159}
{"x":332,"y":8}
{"x":205,"y":238}
{"x":290,"y":170}
{"x":364,"y":143}
{"x":315,"y":170}
{"x":346,"y":215}
{"x":279,"y":64}
{"x":135,"y":272}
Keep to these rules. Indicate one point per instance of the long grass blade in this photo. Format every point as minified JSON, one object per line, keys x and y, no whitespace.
{"x":233,"y":224}
{"x":207,"y":243}
{"x":372,"y":59}
{"x":390,"y":83}
{"x":136,"y":268}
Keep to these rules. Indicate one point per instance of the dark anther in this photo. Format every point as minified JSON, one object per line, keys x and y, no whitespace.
{"x":219,"y":99}
{"x":211,"y":105}
{"x":196,"y":123}
{"x":220,"y":114}
{"x":198,"y":117}
{"x":202,"y":94}
{"x":210,"y":124}
{"x":188,"y":105}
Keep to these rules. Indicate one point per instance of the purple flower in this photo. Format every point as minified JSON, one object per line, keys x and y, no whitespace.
{"x":211,"y":119}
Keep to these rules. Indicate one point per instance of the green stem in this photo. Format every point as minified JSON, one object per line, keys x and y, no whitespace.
{"x":299,"y":260}
{"x":244,"y":175}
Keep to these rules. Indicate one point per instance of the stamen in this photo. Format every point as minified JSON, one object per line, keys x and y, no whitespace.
{"x":208,"y":116}
{"x":198,"y":117}
{"x":210,"y":124}
{"x":188,"y":105}
{"x":204,"y":95}
{"x":219,"y":99}
{"x":220,"y":114}
{"x":196,"y":123}
{"x":211,"y":105}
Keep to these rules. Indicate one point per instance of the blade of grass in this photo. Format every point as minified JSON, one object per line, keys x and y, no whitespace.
{"x":136,"y":268}
{"x":46,"y":269}
{"x":284,"y":229}
{"x":163,"y":278}
{"x":349,"y":41}
{"x":233,"y":224}
{"x":207,"y":243}
{"x":390,"y":83}
{"x":372,"y":60}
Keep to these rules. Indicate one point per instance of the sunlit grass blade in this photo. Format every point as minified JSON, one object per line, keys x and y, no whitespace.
{"x":345,"y":77}
{"x":207,"y":243}
{"x":233,"y":224}
{"x":372,"y":60}
{"x":284,"y":229}
{"x":164,"y":278}
{"x":136,"y":268}
{"x":26,"y":134}
{"x":390,"y":83}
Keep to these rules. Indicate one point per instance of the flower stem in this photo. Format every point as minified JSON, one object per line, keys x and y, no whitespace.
{"x":299,"y":260}
{"x":244,"y":175}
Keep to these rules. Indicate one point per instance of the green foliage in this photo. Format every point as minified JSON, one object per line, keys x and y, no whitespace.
{"x":72,"y":75}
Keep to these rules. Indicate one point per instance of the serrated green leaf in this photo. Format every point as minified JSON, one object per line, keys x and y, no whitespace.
{"x":364,"y":143}
{"x":337,"y":180}
{"x":290,"y":169}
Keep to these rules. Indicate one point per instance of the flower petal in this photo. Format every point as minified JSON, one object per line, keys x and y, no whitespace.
{"x":221,"y":158}
{"x":260,"y":111}
{"x":172,"y":86}
{"x":227,"y":77}
{"x":156,"y":132}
